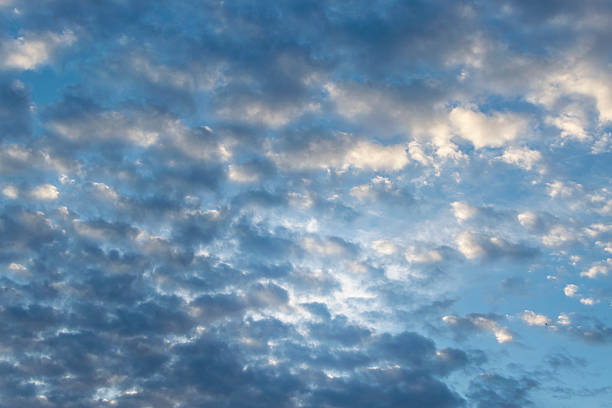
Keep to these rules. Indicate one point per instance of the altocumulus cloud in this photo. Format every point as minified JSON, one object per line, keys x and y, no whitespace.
{"x":305,"y":204}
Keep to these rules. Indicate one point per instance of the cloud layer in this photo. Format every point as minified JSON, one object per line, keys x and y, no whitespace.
{"x":305,"y":204}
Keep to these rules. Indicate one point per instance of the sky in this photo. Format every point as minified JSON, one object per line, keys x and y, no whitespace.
{"x":359,"y":203}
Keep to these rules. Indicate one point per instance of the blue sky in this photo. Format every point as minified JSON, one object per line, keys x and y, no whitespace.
{"x":305,"y":203}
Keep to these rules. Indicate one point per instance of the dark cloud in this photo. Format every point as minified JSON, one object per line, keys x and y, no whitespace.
{"x":16,"y":123}
{"x":494,"y":390}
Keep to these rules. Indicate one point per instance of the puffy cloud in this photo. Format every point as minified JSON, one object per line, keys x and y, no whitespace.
{"x":33,"y":49}
{"x":588,"y":301}
{"x":483,"y":130}
{"x":599,"y":268}
{"x":419,"y":255}
{"x":470,"y":246}
{"x":528,"y":219}
{"x":242,"y":174}
{"x":45,"y":192}
{"x":462,"y":326}
{"x":560,"y":189}
{"x":572,"y":122}
{"x":521,"y":157}
{"x":563,"y":319}
{"x":10,"y":191}
{"x":534,"y":319}
{"x":104,"y":191}
{"x":558,"y":236}
{"x":463,"y":211}
{"x":474,"y":246}
{"x":253,"y":210}
{"x":535,"y":222}
{"x":583,"y":79}
{"x":342,"y":152}
{"x":570,"y":290}
{"x":384,"y":247}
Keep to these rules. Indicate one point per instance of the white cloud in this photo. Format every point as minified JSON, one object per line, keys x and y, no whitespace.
{"x":581,"y":79}
{"x":242,"y":174}
{"x":384,"y":247}
{"x":463,"y":211}
{"x":366,"y":155}
{"x":344,"y":153}
{"x":521,"y":157}
{"x":17,"y":267}
{"x":594,"y":230}
{"x":260,"y":112}
{"x":10,"y":191}
{"x":326,"y":247}
{"x":417,"y":154}
{"x":45,"y":192}
{"x":558,"y":236}
{"x":528,"y":219}
{"x":533,"y":319}
{"x":589,"y":301}
{"x":493,"y":130}
{"x":474,"y":245}
{"x":173,"y":77}
{"x":564,"y":320}
{"x":105,"y":192}
{"x":110,"y":126}
{"x":560,"y":189}
{"x":147,"y":129}
{"x":469,"y":246}
{"x":413,"y":255}
{"x":18,"y":270}
{"x":599,"y":268}
{"x":571,"y":122}
{"x":32,"y":50}
{"x":361,"y":192}
{"x":603,"y":144}
{"x":570,"y":290}
{"x":502,"y":334}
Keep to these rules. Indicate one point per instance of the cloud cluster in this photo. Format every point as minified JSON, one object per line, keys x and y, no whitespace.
{"x":302,"y":203}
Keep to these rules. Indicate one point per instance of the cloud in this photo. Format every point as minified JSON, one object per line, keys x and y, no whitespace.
{"x":463,"y":211}
{"x":15,"y":110}
{"x":494,"y":390}
{"x":572,"y":122}
{"x":33,"y":49}
{"x":570,"y":290}
{"x":475,"y":322}
{"x":384,"y":247}
{"x":599,"y":268}
{"x":560,"y":189}
{"x":341,"y":152}
{"x":474,"y":246}
{"x":238,"y":205}
{"x":10,"y":191}
{"x":521,"y":157}
{"x":558,"y":236}
{"x":431,"y":256}
{"x":382,"y":190}
{"x":528,"y":219}
{"x":45,"y":192}
{"x":469,"y":245}
{"x":483,"y":130}
{"x":584,"y":328}
{"x":533,"y":319}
